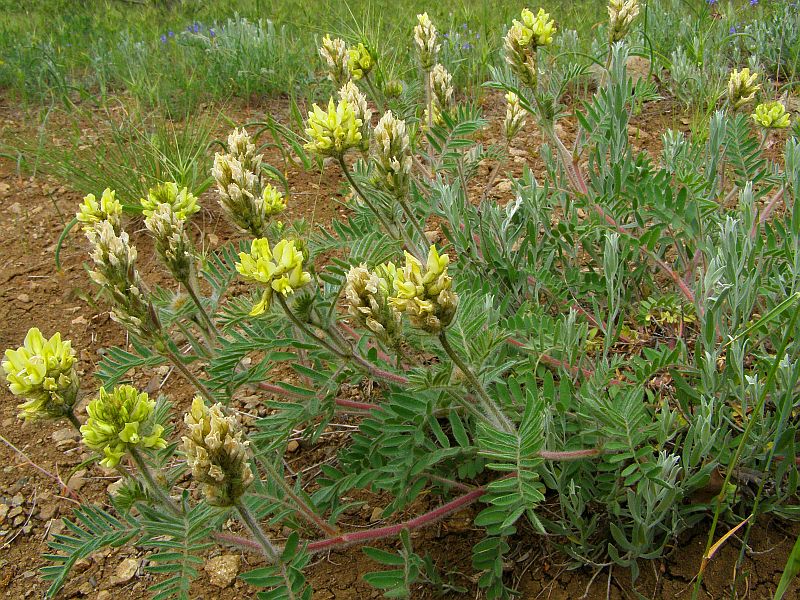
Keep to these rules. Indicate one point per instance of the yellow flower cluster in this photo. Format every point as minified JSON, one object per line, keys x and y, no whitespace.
{"x":425,"y":296}
{"x":360,"y":61}
{"x":183,"y":202}
{"x":425,"y":39}
{"x":92,"y":211}
{"x":742,"y":87}
{"x":42,"y":372}
{"x":334,"y":52}
{"x":542,"y":28}
{"x":771,"y":115}
{"x":279,"y":270}
{"x":358,"y":101}
{"x":119,"y":421}
{"x":392,"y":154}
{"x":274,"y":201}
{"x":216,"y":453}
{"x":333,"y":132}
{"x":367,"y":296}
{"x":522,"y":40}
{"x":171,"y":241}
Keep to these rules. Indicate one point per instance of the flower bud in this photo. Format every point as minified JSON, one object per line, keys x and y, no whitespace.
{"x":441,"y":86}
{"x":216,"y":454}
{"x":742,"y":87}
{"x":425,"y":39}
{"x":42,"y":372}
{"x":115,"y":272}
{"x":120,"y":421}
{"x":334,"y":52}
{"x":171,"y":242}
{"x":359,"y":61}
{"x":92,"y":211}
{"x":392,"y":156}
{"x":519,"y":55}
{"x":515,"y":116}
{"x":771,"y":115}
{"x":621,"y":14}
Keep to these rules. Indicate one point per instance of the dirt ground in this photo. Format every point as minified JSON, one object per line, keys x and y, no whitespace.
{"x":35,"y":455}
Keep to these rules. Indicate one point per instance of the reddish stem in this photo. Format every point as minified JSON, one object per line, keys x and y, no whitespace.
{"x":278,"y":390}
{"x":357,"y":405}
{"x":357,"y":337}
{"x":554,"y":362}
{"x":773,"y":202}
{"x":428,"y":518}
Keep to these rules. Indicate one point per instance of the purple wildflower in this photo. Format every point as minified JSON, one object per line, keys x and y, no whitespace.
{"x":163,"y":38}
{"x":732,"y":30}
{"x":466,"y":46}
{"x":171,"y":33}
{"x":753,"y":2}
{"x":211,"y":32}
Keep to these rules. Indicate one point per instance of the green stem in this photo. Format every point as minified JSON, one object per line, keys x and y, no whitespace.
{"x":303,"y":507}
{"x":390,"y":230}
{"x":152,"y":486}
{"x":210,"y":326}
{"x":188,"y":375}
{"x":269,"y":549}
{"x":498,"y":418}
{"x":304,"y":328}
{"x":414,"y":222}
{"x":73,"y":419}
{"x":374,"y":92}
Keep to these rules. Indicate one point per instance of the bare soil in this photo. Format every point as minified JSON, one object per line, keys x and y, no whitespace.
{"x":35,"y":457}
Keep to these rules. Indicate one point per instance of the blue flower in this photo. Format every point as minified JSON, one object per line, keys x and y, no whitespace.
{"x":711,"y":2}
{"x":446,"y":36}
{"x":464,"y":26}
{"x":163,"y":38}
{"x":753,"y":2}
{"x":732,"y":30}
{"x":171,"y":33}
{"x":466,"y":46}
{"x":211,"y":32}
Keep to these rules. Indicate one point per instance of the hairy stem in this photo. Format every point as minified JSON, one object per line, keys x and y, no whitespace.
{"x":306,"y":510}
{"x":73,"y":419}
{"x":347,"y":539}
{"x":500,"y":420}
{"x":188,"y":375}
{"x":267,"y":547}
{"x":150,"y":482}
{"x":204,"y":316}
{"x":389,"y":229}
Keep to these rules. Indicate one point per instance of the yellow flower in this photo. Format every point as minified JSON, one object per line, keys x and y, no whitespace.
{"x":333,"y":132}
{"x":119,"y":421}
{"x":274,"y":202}
{"x":742,"y":87}
{"x":93,"y":211}
{"x":279,"y":269}
{"x":42,"y":372}
{"x":183,"y":202}
{"x":360,"y":61}
{"x":771,"y":115}
{"x":216,"y":453}
{"x":425,"y":297}
{"x":541,"y":26}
